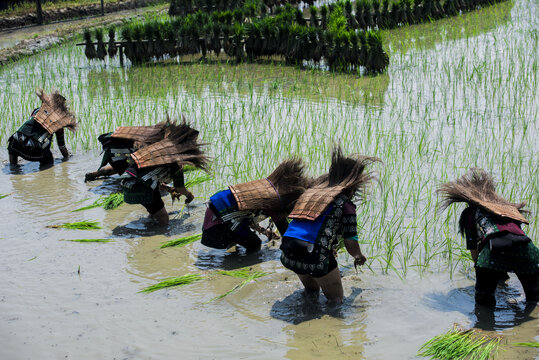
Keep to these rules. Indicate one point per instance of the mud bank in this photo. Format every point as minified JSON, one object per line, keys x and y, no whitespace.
{"x":71,"y":13}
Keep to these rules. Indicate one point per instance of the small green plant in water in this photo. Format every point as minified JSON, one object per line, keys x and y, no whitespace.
{"x":4,"y":195}
{"x":186,"y":240}
{"x":173,"y":281}
{"x":244,"y":273}
{"x":90,"y":240}
{"x":528,"y":344}
{"x":80,"y":225}
{"x":460,"y":344}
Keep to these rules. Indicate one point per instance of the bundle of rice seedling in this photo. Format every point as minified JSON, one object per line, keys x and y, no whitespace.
{"x":108,"y":202}
{"x":186,"y":240}
{"x":113,"y":49}
{"x":90,"y":240}
{"x":89,"y":50}
{"x":80,"y":225}
{"x":112,"y":201}
{"x":460,"y":344}
{"x":527,"y":344}
{"x":4,"y":195}
{"x":173,"y":281}
{"x":244,"y":273}
{"x":101,"y":51}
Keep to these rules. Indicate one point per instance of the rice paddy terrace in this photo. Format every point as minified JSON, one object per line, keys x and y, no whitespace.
{"x":458,"y":92}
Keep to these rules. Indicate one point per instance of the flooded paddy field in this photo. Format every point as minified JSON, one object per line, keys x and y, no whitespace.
{"x":457,"y":94}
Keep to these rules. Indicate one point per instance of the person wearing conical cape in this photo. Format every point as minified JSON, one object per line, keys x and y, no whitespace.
{"x":120,"y":144}
{"x":494,"y":236}
{"x":32,"y":141}
{"x":159,"y":163}
{"x":234,"y":212}
{"x":321,"y":215}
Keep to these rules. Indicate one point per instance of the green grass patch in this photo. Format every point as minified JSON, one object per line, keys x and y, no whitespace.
{"x":173,"y":281}
{"x":80,"y":225}
{"x":181,"y":241}
{"x":459,"y":344}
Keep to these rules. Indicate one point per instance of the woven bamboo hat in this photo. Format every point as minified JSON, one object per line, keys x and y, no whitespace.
{"x":179,"y":146}
{"x":345,"y":174}
{"x":278,"y":192}
{"x":478,"y":187}
{"x":53,"y":113}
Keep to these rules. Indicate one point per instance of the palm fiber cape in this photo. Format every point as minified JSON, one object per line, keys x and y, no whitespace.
{"x":258,"y":194}
{"x":478,"y":187}
{"x":179,"y":146}
{"x":53,"y":113}
{"x":142,"y":134}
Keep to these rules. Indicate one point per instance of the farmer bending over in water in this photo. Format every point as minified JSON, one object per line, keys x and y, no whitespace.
{"x":324,"y":211}
{"x":120,"y":144}
{"x":233,"y":213}
{"x":492,"y":226}
{"x":32,"y":141}
{"x":160,"y":163}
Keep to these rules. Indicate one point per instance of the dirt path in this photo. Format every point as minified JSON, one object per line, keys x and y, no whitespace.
{"x":72,"y":13}
{"x":17,"y":43}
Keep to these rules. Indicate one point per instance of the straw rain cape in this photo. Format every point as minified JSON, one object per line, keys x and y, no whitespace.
{"x":276,"y":192}
{"x":142,"y":134}
{"x":53,"y":113}
{"x":179,"y":146}
{"x":345,"y":174}
{"x":478,"y":187}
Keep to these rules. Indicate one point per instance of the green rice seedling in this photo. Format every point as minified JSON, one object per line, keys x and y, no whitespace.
{"x":197,"y":180}
{"x":244,"y":273}
{"x":4,"y":195}
{"x":459,"y":344}
{"x":90,"y":240}
{"x":80,"y":225}
{"x":94,"y":205}
{"x":527,"y":344}
{"x":173,"y":281}
{"x":186,"y":240}
{"x":112,"y":201}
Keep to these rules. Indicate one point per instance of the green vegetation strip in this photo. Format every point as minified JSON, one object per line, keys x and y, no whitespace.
{"x":458,"y":344}
{"x":109,"y":202}
{"x":244,"y":273}
{"x":81,"y":225}
{"x":173,"y":281}
{"x":528,"y":344}
{"x":198,"y":179}
{"x":182,"y":241}
{"x":3,"y":195}
{"x":90,"y":240}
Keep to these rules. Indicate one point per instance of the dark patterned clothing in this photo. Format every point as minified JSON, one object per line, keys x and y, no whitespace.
{"x":309,"y":247}
{"x":116,"y":152}
{"x":32,"y":142}
{"x":141,"y":185}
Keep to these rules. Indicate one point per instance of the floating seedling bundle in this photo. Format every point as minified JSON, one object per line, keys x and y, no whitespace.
{"x":90,"y":240}
{"x":243,"y":35}
{"x":461,"y":344}
{"x":108,"y":202}
{"x":80,"y":225}
{"x":173,"y":281}
{"x":186,"y":240}
{"x":245,"y":273}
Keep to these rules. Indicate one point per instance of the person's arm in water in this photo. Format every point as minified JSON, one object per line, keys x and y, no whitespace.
{"x":104,"y":171}
{"x":61,"y":143}
{"x":179,"y":186}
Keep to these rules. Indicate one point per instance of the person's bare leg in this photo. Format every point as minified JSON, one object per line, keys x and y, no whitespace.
{"x":13,"y":159}
{"x":161,"y":216}
{"x":309,"y":282}
{"x":331,"y":285}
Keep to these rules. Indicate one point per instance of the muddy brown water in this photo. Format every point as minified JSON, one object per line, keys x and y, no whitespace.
{"x":50,"y":310}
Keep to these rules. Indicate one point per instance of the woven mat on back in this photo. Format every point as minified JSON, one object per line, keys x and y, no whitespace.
{"x":256,"y":195}
{"x":503,"y":210}
{"x":138,"y":133}
{"x":162,"y":153}
{"x":52,"y":119}
{"x":314,"y":201}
